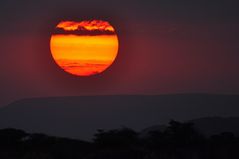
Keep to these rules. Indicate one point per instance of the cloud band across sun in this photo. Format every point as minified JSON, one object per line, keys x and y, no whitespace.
{"x":87,"y":27}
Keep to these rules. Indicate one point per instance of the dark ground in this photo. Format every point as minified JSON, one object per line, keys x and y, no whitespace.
{"x":177,"y":141}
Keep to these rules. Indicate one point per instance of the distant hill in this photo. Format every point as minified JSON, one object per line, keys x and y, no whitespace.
{"x":215,"y":125}
{"x":80,"y":117}
{"x":207,"y":126}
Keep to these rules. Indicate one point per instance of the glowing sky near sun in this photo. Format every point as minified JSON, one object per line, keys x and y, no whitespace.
{"x":84,"y":48}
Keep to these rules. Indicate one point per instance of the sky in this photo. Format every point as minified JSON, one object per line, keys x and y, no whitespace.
{"x":165,"y":47}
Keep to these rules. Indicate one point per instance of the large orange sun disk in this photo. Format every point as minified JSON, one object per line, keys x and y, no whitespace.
{"x":84,"y":48}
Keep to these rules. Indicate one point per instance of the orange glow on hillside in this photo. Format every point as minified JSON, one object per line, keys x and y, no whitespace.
{"x":84,"y":55}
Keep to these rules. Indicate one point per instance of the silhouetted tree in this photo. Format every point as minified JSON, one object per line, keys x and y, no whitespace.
{"x":178,"y":133}
{"x":180,"y":140}
{"x":11,"y":136}
{"x":117,"y":138}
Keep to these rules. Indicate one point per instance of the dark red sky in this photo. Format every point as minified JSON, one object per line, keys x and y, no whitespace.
{"x":165,"y":47}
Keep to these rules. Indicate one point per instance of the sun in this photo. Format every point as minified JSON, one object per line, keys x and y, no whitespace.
{"x":84,"y":48}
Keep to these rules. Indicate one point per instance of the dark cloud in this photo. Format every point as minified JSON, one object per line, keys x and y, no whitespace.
{"x":82,"y":31}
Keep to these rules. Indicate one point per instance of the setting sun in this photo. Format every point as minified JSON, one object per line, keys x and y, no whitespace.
{"x":84,"y":48}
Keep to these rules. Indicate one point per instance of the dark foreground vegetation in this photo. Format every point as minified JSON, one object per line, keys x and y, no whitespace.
{"x":177,"y":141}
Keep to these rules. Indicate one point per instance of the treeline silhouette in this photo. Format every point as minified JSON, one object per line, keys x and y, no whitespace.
{"x":177,"y":141}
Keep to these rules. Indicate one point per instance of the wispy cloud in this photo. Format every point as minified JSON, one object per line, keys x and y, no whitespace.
{"x":84,"y":67}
